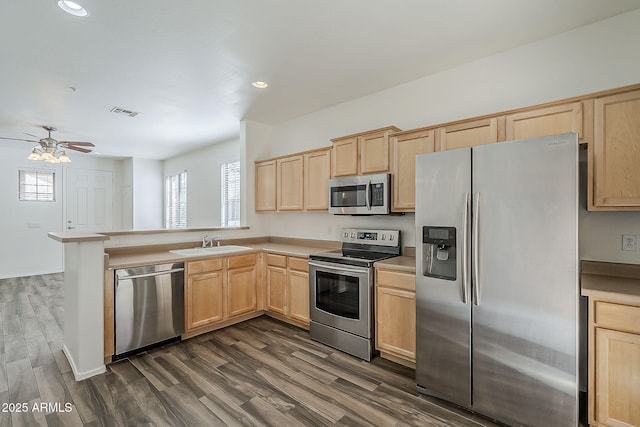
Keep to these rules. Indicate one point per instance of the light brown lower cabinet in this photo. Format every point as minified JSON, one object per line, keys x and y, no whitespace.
{"x":204,"y":293}
{"x":287,"y":283}
{"x":614,"y":364}
{"x":241,"y":284}
{"x":395,"y":314}
{"x":298,"y":287}
{"x":219,"y":289}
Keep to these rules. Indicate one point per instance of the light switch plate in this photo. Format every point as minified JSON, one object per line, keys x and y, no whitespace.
{"x":629,"y":242}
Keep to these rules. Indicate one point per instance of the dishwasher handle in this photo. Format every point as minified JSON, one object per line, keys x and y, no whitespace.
{"x":154,"y":274}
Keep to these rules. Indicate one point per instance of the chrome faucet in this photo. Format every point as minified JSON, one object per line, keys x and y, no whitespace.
{"x":208,"y":241}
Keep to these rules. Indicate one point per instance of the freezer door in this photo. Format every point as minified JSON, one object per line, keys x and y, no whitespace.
{"x":443,"y":311}
{"x":526,"y":287}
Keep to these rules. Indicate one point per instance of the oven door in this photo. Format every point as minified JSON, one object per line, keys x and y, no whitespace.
{"x":341,"y":296}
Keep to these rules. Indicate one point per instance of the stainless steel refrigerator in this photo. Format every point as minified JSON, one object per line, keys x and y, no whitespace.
{"x":497,"y":279}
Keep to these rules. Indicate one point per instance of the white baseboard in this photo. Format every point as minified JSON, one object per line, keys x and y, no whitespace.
{"x":79,"y":376}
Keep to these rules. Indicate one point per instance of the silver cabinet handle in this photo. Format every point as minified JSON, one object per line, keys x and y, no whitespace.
{"x":465,"y":249}
{"x":476,"y":256}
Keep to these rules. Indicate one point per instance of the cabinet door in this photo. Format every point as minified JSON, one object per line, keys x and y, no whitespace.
{"x":344,"y":157}
{"x":204,"y":299}
{"x":616,"y":151}
{"x":266,"y":186}
{"x":241,"y":291}
{"x":469,"y":134}
{"x":374,"y":153}
{"x":404,"y":150}
{"x":317,"y":171}
{"x":545,"y":121}
{"x":277,"y":289}
{"x":290,"y":188}
{"x":396,"y":322}
{"x":299,"y":296}
{"x":617,"y":378}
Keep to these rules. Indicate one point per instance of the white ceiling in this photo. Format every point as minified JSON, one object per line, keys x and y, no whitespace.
{"x":187,"y":65}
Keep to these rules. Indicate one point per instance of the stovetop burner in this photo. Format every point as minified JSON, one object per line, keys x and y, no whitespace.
{"x":362,"y":247}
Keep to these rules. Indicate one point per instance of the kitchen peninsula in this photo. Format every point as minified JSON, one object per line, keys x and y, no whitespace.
{"x":89,"y":270}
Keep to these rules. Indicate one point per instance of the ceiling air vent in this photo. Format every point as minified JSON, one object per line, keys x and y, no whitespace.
{"x":124,"y":112}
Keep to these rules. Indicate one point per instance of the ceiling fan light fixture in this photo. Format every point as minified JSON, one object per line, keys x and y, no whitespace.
{"x":35,"y":155}
{"x":73,"y":8}
{"x":63,"y":158}
{"x":46,"y":156}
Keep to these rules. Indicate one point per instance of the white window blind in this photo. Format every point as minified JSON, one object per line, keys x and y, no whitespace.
{"x":231,"y":194}
{"x":36,"y":185}
{"x":176,"y":201}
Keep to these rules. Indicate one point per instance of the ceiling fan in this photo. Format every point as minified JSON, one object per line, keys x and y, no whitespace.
{"x":50,"y":149}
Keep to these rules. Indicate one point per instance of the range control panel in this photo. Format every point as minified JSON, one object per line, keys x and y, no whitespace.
{"x":370,"y":237}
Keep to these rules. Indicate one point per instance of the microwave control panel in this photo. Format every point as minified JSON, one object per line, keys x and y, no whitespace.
{"x":377,"y":194}
{"x":370,"y":237}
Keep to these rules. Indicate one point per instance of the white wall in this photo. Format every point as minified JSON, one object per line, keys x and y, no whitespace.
{"x":592,"y":58}
{"x":204,"y":180}
{"x":26,"y":249}
{"x":147,"y":192}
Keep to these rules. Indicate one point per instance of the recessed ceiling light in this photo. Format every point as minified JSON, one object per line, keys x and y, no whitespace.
{"x":73,"y":8}
{"x":260,"y":85}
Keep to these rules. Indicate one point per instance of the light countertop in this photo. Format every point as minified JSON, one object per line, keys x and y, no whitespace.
{"x":148,"y":256}
{"x":612,"y":281}
{"x":400,"y":263}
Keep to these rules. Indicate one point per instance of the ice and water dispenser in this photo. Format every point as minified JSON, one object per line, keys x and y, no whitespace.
{"x":439,"y":252}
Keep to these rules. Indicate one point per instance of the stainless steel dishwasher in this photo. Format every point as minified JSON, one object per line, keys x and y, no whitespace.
{"x":149,"y":306}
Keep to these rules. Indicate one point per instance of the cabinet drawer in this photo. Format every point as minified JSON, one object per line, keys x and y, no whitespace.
{"x":205,"y":265}
{"x":618,"y":316}
{"x":300,"y":264}
{"x":242,"y":261}
{"x":276,"y":260}
{"x":396,"y":279}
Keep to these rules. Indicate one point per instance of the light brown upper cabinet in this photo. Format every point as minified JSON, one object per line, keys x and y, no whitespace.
{"x":317,"y":171}
{"x":290,"y":188}
{"x":405,"y":146}
{"x":468,"y":134}
{"x":616,"y":151}
{"x":266,"y":186}
{"x":362,"y":153}
{"x":545,"y":121}
{"x":344,"y":161}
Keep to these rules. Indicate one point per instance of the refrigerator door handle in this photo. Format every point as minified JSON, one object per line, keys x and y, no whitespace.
{"x":465,"y":249}
{"x":476,"y":257}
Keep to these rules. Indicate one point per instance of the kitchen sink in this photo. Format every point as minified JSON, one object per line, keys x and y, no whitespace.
{"x":216,"y":250}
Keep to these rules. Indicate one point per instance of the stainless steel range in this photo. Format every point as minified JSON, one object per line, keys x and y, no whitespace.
{"x":341,"y":289}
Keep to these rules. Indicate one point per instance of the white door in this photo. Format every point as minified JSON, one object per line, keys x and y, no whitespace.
{"x":89,"y":196}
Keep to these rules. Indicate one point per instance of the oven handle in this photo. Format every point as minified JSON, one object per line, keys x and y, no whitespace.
{"x":338,"y":269}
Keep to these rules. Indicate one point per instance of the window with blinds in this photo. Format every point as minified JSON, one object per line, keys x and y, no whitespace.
{"x":176,"y":201}
{"x":36,"y":185}
{"x":231,"y":194}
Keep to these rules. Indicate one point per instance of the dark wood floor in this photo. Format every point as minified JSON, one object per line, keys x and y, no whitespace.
{"x":260,"y":372}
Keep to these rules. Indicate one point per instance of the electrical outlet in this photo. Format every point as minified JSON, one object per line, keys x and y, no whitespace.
{"x":629,"y":242}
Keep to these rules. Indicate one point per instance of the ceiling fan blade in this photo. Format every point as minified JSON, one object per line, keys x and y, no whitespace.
{"x":82,"y":150}
{"x":77,"y":143}
{"x":18,"y":139}
{"x":30,"y":134}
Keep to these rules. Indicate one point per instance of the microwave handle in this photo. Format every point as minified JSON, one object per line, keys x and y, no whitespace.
{"x":367,"y":195}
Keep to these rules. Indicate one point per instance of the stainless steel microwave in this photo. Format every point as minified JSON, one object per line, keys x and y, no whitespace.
{"x":360,"y":195}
